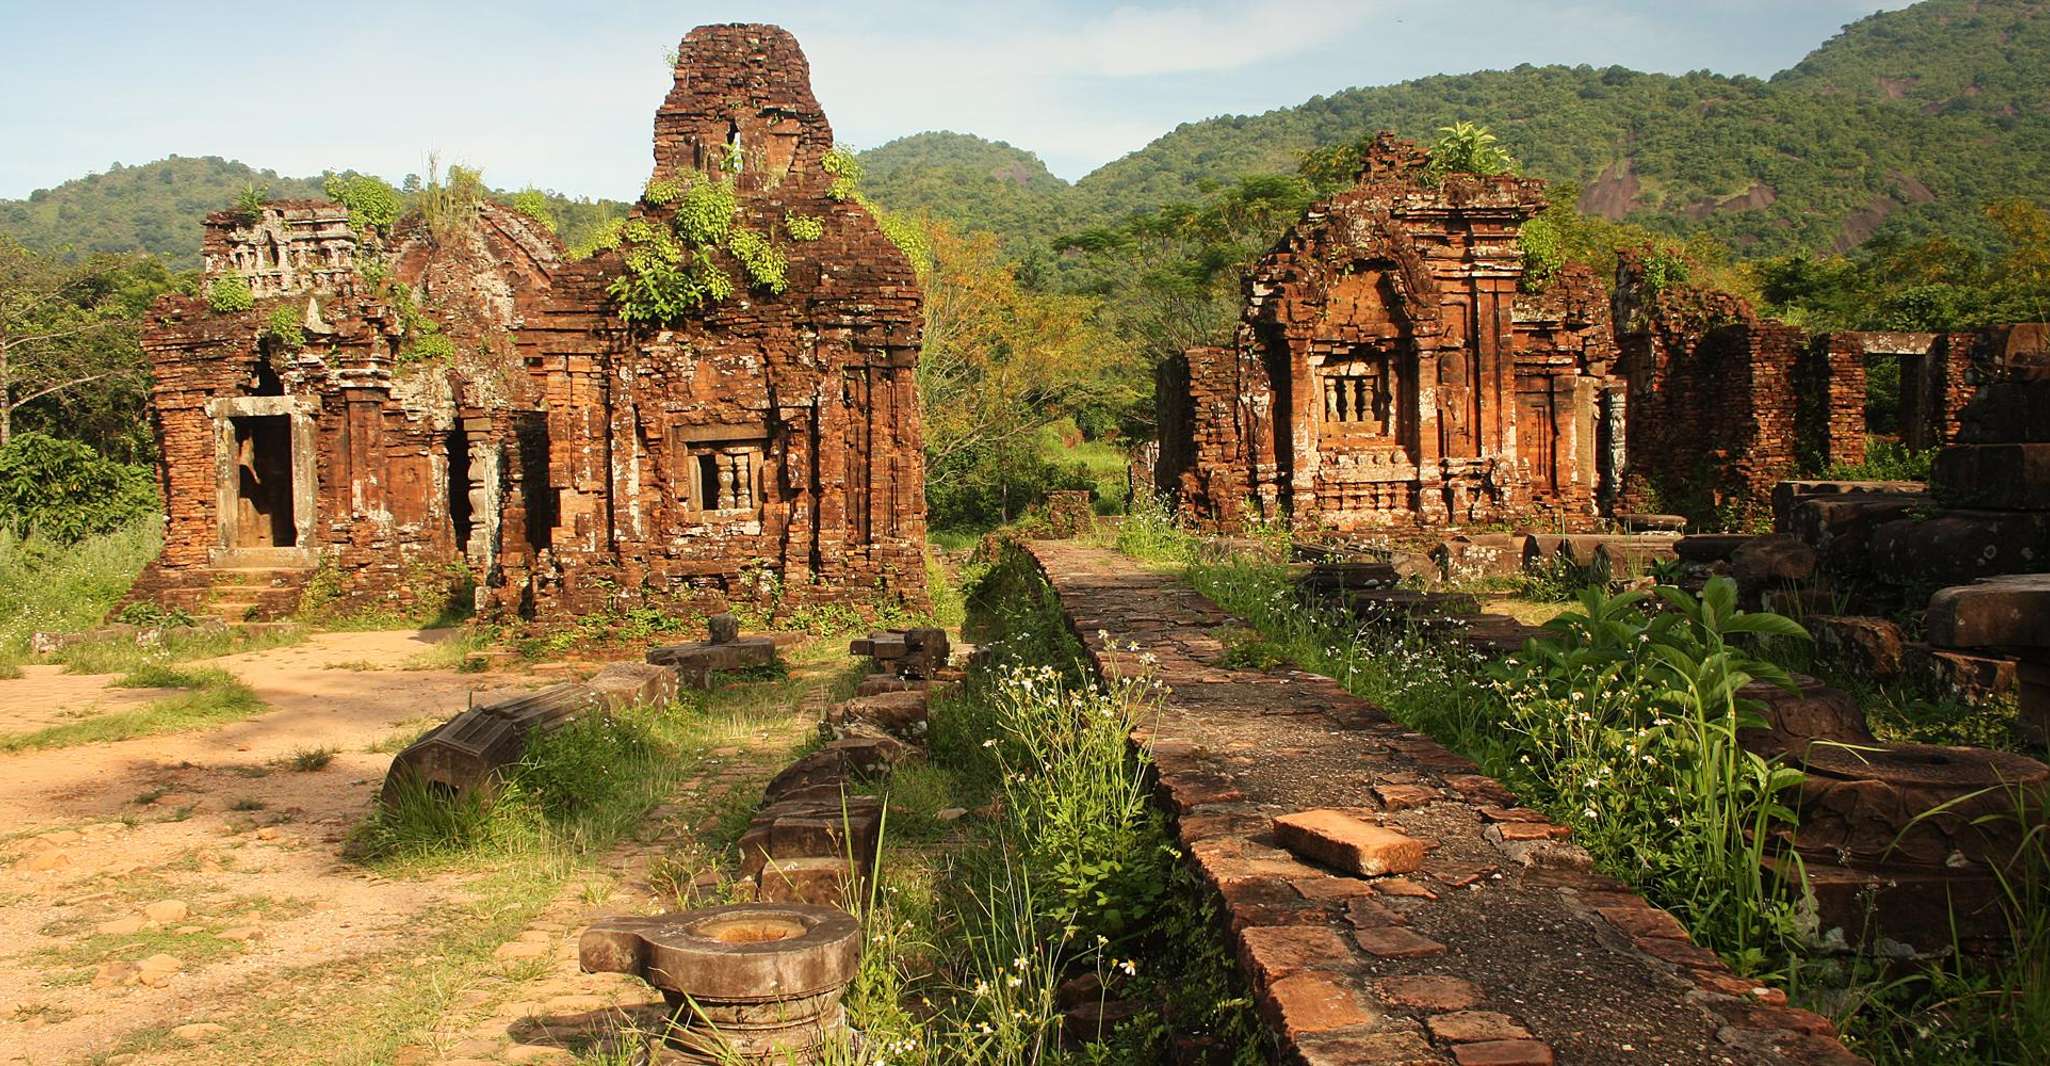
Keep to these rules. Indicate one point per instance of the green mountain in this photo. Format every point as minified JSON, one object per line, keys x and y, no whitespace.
{"x":1907,"y":120}
{"x":972,"y":182}
{"x":156,"y":207}
{"x":159,"y":207}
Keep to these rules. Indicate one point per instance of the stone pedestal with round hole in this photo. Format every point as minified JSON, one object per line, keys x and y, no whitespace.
{"x":751,"y":982}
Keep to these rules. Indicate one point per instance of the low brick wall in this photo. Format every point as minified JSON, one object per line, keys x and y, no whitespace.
{"x":1502,"y":947}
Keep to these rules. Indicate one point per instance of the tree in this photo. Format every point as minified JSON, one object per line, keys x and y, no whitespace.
{"x":1000,"y":365}
{"x":65,"y":326}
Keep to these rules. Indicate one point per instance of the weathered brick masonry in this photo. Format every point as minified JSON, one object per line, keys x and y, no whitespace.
{"x":1393,"y":367}
{"x":565,"y":462}
{"x":1389,"y":370}
{"x":1503,"y":947}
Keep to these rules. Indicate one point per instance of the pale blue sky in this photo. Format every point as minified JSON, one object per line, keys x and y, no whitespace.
{"x":562,"y":95}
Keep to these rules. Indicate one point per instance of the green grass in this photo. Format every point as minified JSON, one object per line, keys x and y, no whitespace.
{"x":122,"y":655}
{"x":47,"y":586}
{"x":163,"y":675}
{"x":218,"y":699}
{"x":308,"y":760}
{"x":1104,"y":464}
{"x":453,"y":650}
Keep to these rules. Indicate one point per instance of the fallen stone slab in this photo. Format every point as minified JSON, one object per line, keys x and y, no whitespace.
{"x":1959,"y":547}
{"x":468,"y":751}
{"x":1343,"y":842}
{"x":695,"y":663}
{"x":1479,"y":556}
{"x":1652,"y":523}
{"x":1809,"y":714}
{"x":1874,"y":647}
{"x":909,"y":653}
{"x":622,"y":685}
{"x":1993,"y":477}
{"x":901,"y":714}
{"x":2009,"y":611}
{"x":848,"y":828}
{"x":1787,"y":496}
{"x":1704,"y":548}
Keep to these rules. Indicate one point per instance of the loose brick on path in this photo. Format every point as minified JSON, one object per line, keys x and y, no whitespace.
{"x":1494,"y":934}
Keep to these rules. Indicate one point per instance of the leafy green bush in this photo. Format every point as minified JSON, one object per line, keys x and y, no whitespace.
{"x":373,"y":204}
{"x":704,"y":214}
{"x":767,"y":268}
{"x":1630,"y":721}
{"x":586,"y":763}
{"x":804,"y":227}
{"x":845,"y":168}
{"x":65,"y":491}
{"x":228,"y":294}
{"x":661,"y":192}
{"x":533,"y":203}
{"x":287,"y":326}
{"x":1886,"y":460}
{"x":1467,"y":148}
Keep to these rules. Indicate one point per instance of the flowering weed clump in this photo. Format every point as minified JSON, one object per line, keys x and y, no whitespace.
{"x":1067,"y":870}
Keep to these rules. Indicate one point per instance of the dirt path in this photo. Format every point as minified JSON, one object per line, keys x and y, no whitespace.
{"x":150,"y":877}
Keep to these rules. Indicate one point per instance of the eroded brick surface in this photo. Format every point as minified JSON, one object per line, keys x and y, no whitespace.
{"x":565,"y":462}
{"x":1493,"y":938}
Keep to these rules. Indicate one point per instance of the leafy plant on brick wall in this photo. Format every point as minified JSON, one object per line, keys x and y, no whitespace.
{"x":1468,"y":148}
{"x":803,"y":227}
{"x":533,"y":203}
{"x":229,"y":293}
{"x":286,"y":326}
{"x":373,"y":204}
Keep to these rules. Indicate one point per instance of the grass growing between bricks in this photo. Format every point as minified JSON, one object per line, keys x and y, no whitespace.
{"x":212,"y":697}
{"x":1623,"y":727}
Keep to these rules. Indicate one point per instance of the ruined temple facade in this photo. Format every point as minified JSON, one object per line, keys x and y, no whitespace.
{"x":1390,"y":369}
{"x":1394,"y":367}
{"x":465,"y":406}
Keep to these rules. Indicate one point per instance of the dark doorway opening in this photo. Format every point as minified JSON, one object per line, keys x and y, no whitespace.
{"x":263,"y":475}
{"x":461,"y":513}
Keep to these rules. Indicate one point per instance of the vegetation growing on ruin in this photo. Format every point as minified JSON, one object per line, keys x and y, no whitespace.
{"x":285,"y":326}
{"x":1065,"y":871}
{"x":372,"y":202}
{"x":533,"y":203}
{"x":803,"y":227}
{"x":1621,"y":724}
{"x":228,"y":294}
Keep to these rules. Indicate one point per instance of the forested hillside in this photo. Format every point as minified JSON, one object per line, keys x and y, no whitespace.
{"x":158,"y":208}
{"x":1908,"y":122}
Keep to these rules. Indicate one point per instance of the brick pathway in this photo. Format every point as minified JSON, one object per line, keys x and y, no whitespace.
{"x":1502,"y":948}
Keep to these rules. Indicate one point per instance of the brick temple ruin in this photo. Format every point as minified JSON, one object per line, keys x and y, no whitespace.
{"x":561,"y":460}
{"x":1396,"y":366}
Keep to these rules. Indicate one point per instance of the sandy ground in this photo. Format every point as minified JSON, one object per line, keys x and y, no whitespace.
{"x":201,"y":847}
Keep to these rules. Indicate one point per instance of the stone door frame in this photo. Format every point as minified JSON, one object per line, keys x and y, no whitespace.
{"x":304,"y":487}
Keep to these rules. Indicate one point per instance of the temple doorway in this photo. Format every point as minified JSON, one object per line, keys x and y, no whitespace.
{"x":263,"y":483}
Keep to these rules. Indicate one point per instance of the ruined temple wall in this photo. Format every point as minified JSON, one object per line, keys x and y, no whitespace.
{"x":1831,"y":386}
{"x":1224,"y":468}
{"x":1407,"y":292}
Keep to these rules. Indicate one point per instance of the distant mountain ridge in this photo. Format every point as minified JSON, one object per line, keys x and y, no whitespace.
{"x":1907,"y":121}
